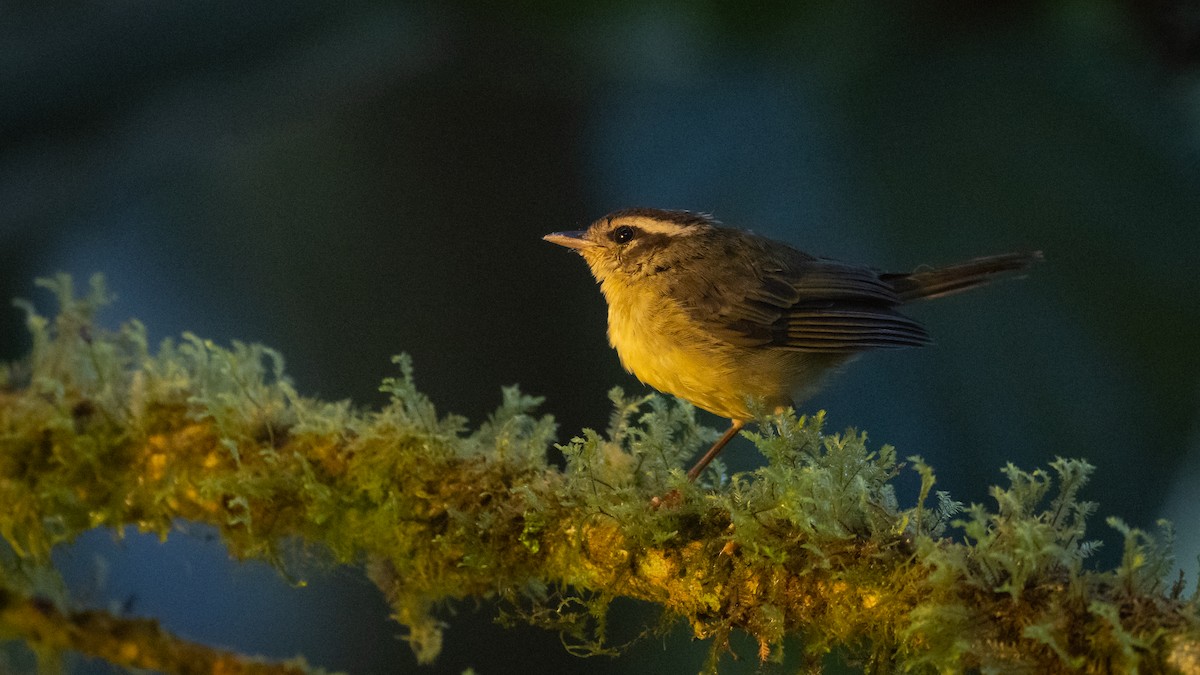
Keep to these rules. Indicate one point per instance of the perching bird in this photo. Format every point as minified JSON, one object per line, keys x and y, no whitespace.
{"x":721,"y":317}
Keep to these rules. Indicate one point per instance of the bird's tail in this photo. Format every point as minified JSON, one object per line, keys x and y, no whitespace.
{"x":934,"y":283}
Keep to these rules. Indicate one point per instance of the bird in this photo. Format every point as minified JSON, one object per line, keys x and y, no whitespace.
{"x":729,"y":320}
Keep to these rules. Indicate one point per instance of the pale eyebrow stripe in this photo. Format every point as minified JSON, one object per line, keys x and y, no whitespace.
{"x":665,"y":229}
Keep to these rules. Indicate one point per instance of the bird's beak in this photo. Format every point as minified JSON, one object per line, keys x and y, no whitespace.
{"x":575,"y":239}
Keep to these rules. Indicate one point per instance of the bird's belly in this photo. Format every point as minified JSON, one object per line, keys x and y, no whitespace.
{"x":664,"y":350}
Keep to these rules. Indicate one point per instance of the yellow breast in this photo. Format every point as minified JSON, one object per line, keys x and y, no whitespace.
{"x":667,"y":349}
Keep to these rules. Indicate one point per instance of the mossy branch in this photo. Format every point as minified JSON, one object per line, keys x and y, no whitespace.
{"x":98,"y":431}
{"x":132,"y":643}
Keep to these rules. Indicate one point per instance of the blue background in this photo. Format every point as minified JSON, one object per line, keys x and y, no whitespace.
{"x":345,"y":181}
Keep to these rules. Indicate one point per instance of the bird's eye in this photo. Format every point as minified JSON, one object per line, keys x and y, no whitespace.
{"x":623,"y":234}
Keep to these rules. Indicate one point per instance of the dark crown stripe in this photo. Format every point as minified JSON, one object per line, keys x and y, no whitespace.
{"x":686,"y":218}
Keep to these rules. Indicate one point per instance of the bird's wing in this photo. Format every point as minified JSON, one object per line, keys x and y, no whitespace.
{"x":802,"y":303}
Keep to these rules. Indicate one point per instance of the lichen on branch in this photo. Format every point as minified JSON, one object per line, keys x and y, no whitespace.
{"x":98,"y":430}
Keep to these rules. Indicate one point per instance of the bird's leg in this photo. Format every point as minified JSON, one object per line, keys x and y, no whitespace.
{"x":734,"y":427}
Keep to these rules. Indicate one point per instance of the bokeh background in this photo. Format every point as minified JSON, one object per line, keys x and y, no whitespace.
{"x":345,"y":181}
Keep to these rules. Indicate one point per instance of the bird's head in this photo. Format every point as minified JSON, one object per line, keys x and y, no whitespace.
{"x":636,"y":243}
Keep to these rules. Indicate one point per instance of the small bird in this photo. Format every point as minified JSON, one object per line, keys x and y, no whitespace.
{"x":721,"y":317}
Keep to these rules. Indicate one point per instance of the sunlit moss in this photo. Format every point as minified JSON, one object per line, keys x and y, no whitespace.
{"x":98,"y":430}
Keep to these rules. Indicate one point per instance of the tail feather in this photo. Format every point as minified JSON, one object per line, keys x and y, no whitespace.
{"x":934,"y":283}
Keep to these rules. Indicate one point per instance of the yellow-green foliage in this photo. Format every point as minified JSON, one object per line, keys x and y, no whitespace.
{"x":96,"y":430}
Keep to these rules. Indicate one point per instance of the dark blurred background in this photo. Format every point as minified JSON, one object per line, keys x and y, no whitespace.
{"x":345,"y":181}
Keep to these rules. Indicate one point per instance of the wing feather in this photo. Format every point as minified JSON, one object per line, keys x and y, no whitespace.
{"x":785,"y":299}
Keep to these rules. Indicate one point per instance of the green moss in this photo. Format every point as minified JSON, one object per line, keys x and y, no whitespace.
{"x":97,"y":430}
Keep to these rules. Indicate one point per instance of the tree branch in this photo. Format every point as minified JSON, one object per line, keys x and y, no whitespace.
{"x":132,"y":643}
{"x":97,"y":431}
